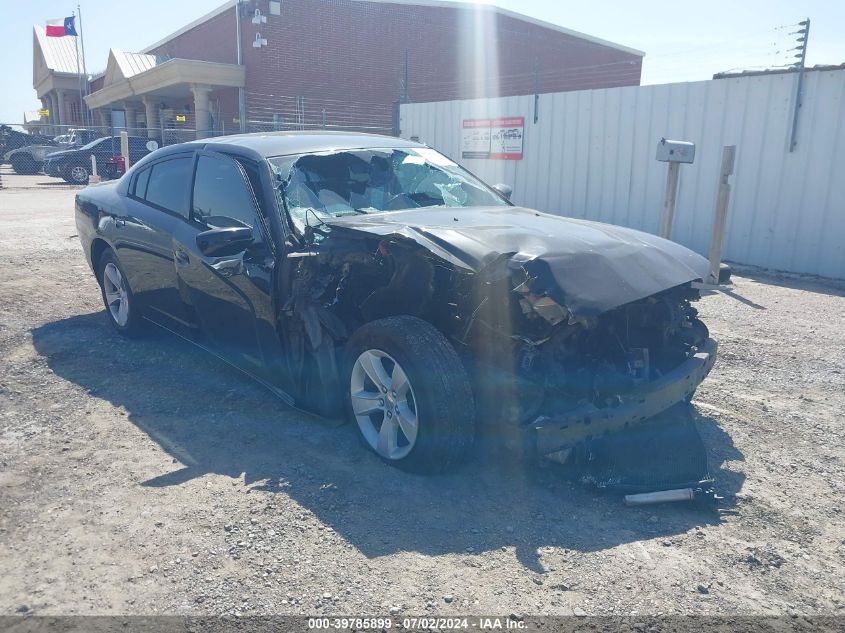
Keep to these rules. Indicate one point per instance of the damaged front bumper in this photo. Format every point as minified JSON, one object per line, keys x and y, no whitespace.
{"x":558,"y":432}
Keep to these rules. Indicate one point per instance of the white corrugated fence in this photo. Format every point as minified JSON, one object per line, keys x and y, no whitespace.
{"x":591,"y":154}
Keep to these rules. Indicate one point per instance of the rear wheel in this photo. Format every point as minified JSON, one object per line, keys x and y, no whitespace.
{"x":409,"y":395}
{"x":117,"y":296}
{"x":25,"y":164}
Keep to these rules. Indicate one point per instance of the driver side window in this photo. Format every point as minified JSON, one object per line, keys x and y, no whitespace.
{"x":222,"y":194}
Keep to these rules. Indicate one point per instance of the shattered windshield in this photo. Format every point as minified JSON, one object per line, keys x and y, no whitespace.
{"x":334,"y":184}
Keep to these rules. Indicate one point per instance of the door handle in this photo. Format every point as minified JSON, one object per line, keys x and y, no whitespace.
{"x":181,"y":256}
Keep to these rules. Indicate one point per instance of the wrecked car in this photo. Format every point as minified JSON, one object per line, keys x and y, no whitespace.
{"x":373,"y":278}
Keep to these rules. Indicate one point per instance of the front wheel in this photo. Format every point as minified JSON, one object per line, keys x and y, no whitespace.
{"x":121,"y":308}
{"x":409,"y":395}
{"x":78,"y":175}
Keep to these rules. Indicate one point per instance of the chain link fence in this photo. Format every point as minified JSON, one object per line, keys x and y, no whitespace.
{"x":265,"y":113}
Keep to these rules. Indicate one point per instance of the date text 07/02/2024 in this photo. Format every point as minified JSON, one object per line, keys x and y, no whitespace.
{"x":417,"y":623}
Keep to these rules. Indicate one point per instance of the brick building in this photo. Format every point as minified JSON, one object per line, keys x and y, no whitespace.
{"x":335,"y":64}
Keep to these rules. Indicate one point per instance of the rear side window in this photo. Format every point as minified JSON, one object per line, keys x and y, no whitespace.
{"x":168,"y":184}
{"x":141,"y":180}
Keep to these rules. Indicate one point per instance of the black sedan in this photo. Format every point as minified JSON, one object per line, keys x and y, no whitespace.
{"x":372,"y":277}
{"x":74,"y":165}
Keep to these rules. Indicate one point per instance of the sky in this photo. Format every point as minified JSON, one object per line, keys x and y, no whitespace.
{"x":683,"y":41}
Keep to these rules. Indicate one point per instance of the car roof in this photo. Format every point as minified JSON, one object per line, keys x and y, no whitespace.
{"x":268,"y":144}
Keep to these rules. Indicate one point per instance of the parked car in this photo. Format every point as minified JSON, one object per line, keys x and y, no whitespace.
{"x":14,"y":148}
{"x":74,"y":165}
{"x":77,"y":137}
{"x":30,"y":159}
{"x":372,"y":277}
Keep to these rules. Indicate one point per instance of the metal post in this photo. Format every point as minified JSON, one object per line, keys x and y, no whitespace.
{"x":241,"y":93}
{"x":161,"y":124}
{"x":800,"y":87}
{"x":405,"y":88}
{"x":721,"y":212}
{"x":669,"y":200}
{"x":81,"y":121}
{"x":88,"y":116}
{"x":397,"y":117}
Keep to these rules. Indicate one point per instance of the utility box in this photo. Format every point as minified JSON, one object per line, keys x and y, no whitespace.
{"x":675,"y":151}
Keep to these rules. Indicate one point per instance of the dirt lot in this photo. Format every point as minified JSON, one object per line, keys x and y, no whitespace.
{"x":142,"y":477}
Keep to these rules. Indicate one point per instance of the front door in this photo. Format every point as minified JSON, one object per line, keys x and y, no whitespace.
{"x":231,"y":295}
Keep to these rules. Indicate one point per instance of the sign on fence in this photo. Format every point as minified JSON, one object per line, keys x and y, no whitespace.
{"x":499,"y":139}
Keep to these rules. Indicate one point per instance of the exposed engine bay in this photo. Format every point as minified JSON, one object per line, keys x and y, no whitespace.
{"x":504,"y":321}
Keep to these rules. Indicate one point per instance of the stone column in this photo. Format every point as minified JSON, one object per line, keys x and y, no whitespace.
{"x":54,"y":114}
{"x":201,"y":108}
{"x":60,"y":107}
{"x":151,"y":111}
{"x":103,"y":120}
{"x":45,"y":125}
{"x":131,"y":118}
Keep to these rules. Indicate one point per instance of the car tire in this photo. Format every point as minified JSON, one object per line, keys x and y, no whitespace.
{"x":403,"y":372}
{"x":78,"y":175}
{"x":25,"y":165}
{"x":121,"y":308}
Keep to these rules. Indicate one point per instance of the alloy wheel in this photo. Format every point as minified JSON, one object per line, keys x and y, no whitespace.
{"x":79,"y":174}
{"x":117,"y":298}
{"x":384,"y":405}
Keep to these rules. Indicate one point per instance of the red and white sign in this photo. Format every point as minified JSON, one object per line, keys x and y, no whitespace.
{"x":498,"y":139}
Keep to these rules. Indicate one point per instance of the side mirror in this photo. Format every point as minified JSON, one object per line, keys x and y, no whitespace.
{"x":505,"y":190}
{"x":228,"y":240}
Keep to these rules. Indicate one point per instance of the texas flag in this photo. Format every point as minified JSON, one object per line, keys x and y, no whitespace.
{"x":61,"y":27}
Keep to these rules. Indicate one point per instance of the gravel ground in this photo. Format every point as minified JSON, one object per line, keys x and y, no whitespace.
{"x":143,"y":477}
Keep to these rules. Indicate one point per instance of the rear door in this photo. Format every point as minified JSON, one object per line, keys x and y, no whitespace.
{"x":231,"y":296}
{"x":156,"y":208}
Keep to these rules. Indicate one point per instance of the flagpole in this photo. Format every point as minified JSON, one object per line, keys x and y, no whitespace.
{"x":89,"y":117}
{"x":79,"y":77}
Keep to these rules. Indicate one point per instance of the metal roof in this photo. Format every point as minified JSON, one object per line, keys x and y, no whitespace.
{"x":132,"y":64}
{"x":59,"y":52}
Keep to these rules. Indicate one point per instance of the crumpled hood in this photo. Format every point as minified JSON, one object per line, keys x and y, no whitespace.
{"x":597,"y":266}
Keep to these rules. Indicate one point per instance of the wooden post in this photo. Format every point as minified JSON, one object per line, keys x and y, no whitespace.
{"x":124,"y":149}
{"x":94,"y":178}
{"x":720,"y":214}
{"x":669,"y":200}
